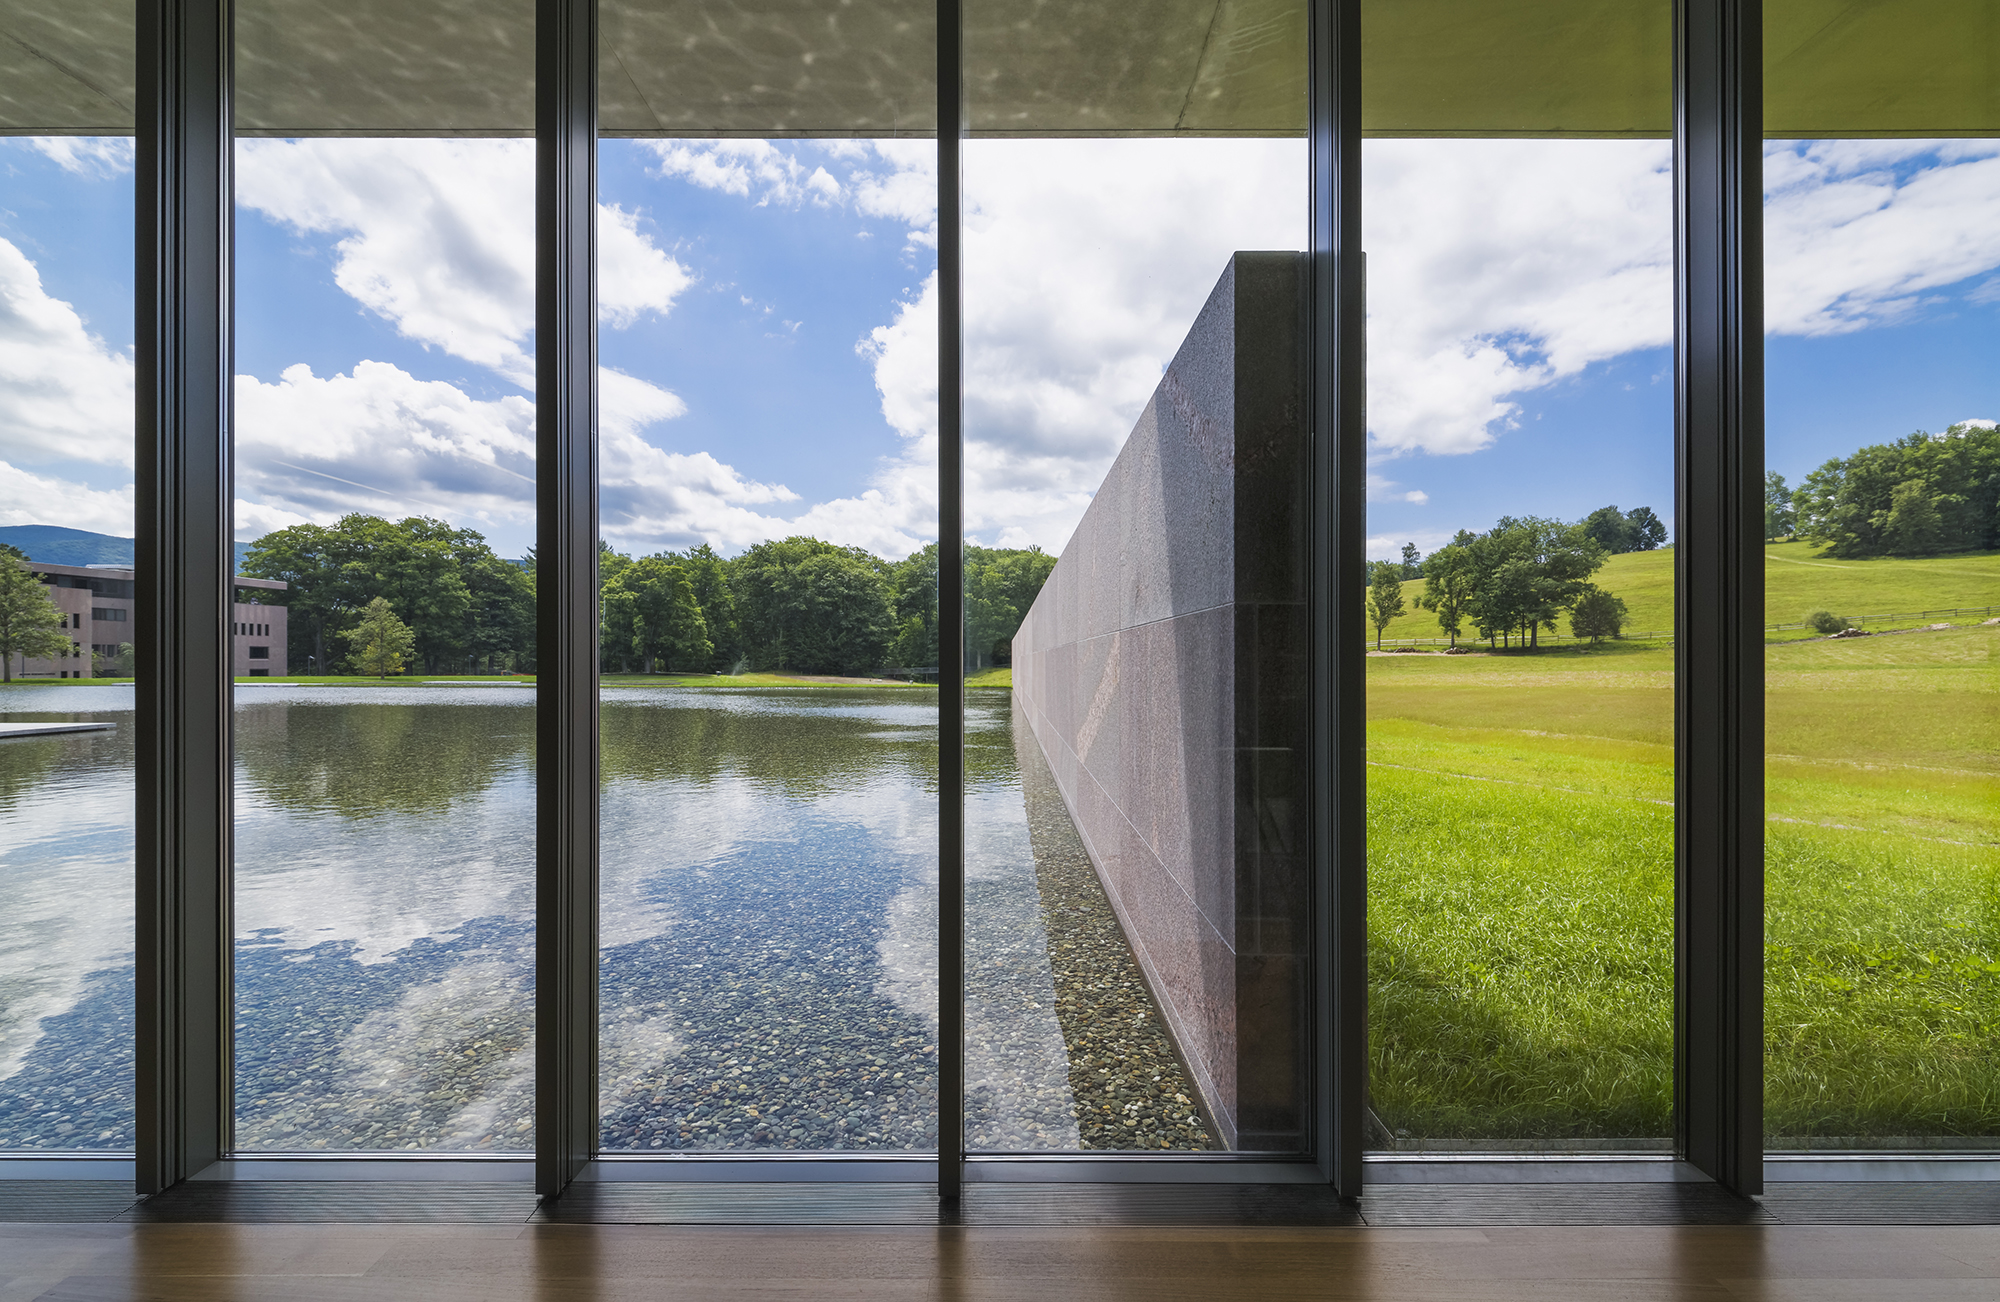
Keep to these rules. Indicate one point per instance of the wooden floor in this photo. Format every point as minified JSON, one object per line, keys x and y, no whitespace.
{"x":589,"y":1263}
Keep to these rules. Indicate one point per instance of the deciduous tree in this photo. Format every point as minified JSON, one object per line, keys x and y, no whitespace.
{"x":1385,"y":596}
{"x":30,"y":623}
{"x":379,"y":643}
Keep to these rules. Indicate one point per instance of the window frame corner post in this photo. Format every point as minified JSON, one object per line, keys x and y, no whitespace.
{"x":951,"y":131}
{"x":1719,"y":590}
{"x":566,"y":815}
{"x":182,"y":525}
{"x":1337,"y":378}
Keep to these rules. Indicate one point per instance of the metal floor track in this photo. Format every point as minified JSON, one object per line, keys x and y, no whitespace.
{"x":916,"y":1205}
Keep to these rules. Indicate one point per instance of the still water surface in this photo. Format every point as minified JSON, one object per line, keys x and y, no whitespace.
{"x":769,"y":923}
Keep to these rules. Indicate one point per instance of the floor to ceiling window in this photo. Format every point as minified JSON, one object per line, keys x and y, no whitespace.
{"x":1136,"y":444}
{"x":1881,"y":182}
{"x":767,"y":303}
{"x":67,"y":623}
{"x":384,"y":630}
{"x":1519,"y":232}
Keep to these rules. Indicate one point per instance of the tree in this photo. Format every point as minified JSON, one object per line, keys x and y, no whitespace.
{"x":708,"y":574}
{"x":1865,"y":504}
{"x":1597,"y":615}
{"x":1649,"y":531}
{"x":1449,"y":587}
{"x":1779,"y":517}
{"x":1001,"y":584}
{"x":1385,"y":596}
{"x":1913,"y":526}
{"x":379,"y":642}
{"x":30,"y":624}
{"x":1528,"y":571}
{"x":1413,"y":562}
{"x":1610,"y":529}
{"x":653,"y":609}
{"x":812,"y":607}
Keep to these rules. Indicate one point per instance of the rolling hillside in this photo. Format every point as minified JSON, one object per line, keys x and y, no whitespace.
{"x":1797,"y":582}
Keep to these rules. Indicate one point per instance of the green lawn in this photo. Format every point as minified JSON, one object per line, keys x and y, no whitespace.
{"x":1797,"y":581}
{"x":1520,"y":861}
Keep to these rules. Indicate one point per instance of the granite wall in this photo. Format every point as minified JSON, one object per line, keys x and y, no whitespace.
{"x":1162,"y":670}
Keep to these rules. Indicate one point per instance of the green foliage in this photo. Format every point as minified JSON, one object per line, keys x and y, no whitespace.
{"x":1618,"y":532}
{"x":1412,"y":562}
{"x":650,"y":612}
{"x":1922,"y":495}
{"x":1385,"y":595}
{"x":463,"y":604}
{"x":1597,"y":615}
{"x":30,"y":623}
{"x":1526,"y":572}
{"x":1825,"y":621}
{"x":1000,"y":585}
{"x":379,"y":643}
{"x":812,"y":607}
{"x":1780,"y":519}
{"x":1448,"y":587}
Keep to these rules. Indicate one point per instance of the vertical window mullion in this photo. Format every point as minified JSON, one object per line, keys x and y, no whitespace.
{"x":182,"y":550}
{"x":1719,"y":589}
{"x":951,"y":602}
{"x":1338,"y":306}
{"x":566,"y":763}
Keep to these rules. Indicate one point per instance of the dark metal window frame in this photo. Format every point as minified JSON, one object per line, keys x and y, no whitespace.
{"x":184,"y":293}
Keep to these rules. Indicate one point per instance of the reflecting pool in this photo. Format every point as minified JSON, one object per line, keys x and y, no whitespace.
{"x":768,"y":927}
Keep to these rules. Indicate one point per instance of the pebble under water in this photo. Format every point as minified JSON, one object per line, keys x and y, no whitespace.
{"x":769,"y":924}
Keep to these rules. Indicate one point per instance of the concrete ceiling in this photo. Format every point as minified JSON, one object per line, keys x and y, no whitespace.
{"x":1033,"y":67}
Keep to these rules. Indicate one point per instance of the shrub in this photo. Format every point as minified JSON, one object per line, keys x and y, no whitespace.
{"x":1823,"y":621}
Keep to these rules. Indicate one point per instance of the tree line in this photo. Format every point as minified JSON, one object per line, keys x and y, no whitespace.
{"x":807,"y":606}
{"x":1922,"y":495}
{"x":374,"y":596}
{"x":1515,"y":581}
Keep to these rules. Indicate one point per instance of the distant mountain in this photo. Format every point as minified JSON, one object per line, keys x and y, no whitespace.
{"x":54,"y":545}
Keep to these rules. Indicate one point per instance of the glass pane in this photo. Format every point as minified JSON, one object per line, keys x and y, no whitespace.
{"x":384,"y":626}
{"x":1136,"y":925}
{"x":67,"y":622}
{"x":769,"y":507}
{"x":1520,"y":664}
{"x":1882,"y":974}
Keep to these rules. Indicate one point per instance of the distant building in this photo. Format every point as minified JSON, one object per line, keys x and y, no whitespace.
{"x":96,"y":602}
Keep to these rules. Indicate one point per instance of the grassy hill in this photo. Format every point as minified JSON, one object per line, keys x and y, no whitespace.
{"x":1797,"y":582}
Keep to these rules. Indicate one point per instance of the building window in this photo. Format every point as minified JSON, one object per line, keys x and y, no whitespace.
{"x":108,"y":614}
{"x":260,"y":653}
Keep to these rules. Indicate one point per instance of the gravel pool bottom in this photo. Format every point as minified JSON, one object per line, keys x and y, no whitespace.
{"x":768,"y":930}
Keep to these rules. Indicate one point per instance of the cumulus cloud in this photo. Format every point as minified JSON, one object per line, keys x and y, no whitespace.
{"x":94,"y":156}
{"x":770,"y":173}
{"x":65,"y":394}
{"x":1497,"y":266}
{"x":438,"y":237}
{"x":29,"y":498}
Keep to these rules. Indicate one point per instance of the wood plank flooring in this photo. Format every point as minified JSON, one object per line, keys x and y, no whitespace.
{"x":614,"y":1263}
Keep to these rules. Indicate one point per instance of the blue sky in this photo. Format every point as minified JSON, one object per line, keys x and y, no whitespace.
{"x":769,"y":333}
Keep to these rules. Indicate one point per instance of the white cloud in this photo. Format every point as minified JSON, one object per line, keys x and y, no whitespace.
{"x":1496,"y":266}
{"x":438,"y":237}
{"x":29,"y":498}
{"x":1859,"y":233}
{"x":95,"y":156}
{"x":382,"y":441}
{"x":65,"y":395}
{"x":775,"y":173}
